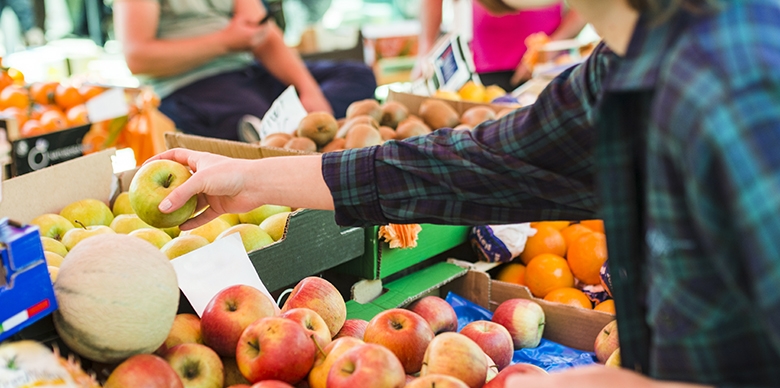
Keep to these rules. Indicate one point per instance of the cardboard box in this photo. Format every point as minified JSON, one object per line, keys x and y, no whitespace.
{"x":380,"y":261}
{"x":312,"y":241}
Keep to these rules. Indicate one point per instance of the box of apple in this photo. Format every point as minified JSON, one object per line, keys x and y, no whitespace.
{"x":244,"y":340}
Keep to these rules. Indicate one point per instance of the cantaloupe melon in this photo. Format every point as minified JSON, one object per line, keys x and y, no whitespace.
{"x":117,"y":296}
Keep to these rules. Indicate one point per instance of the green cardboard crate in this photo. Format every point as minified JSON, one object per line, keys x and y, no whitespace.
{"x":380,"y":261}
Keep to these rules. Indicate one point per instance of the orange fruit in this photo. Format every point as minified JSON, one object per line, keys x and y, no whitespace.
{"x":14,"y":96}
{"x":546,"y":240}
{"x":594,"y":225}
{"x":31,"y":128}
{"x":572,"y":232}
{"x":5,"y":79}
{"x":16,"y":75}
{"x":53,"y":120}
{"x":77,"y":115}
{"x":547,"y":272}
{"x":559,"y":225}
{"x":586,"y":255}
{"x":512,"y":273}
{"x":89,"y":91}
{"x":43,"y":92}
{"x":570,"y":296}
{"x":67,"y":97}
{"x":607,"y":306}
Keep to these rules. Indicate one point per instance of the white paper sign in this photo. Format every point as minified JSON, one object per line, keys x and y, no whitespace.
{"x":206,"y":271}
{"x":284,"y":115}
{"x":107,"y":105}
{"x":450,"y":64}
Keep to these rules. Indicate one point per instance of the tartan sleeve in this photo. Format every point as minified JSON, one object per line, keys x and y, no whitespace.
{"x":534,"y":163}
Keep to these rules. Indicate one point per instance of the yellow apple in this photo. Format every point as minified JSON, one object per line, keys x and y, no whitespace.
{"x":252,"y":236}
{"x":122,"y":204}
{"x":53,"y":272}
{"x":156,"y":237}
{"x":53,"y":259}
{"x":126,"y":223}
{"x":76,"y":235}
{"x":52,"y":245}
{"x":209,"y":230}
{"x":256,"y":216}
{"x":88,"y":212}
{"x":275,"y":225}
{"x":52,"y":225}
{"x":173,"y":231}
{"x":231,"y":218}
{"x":182,"y":245}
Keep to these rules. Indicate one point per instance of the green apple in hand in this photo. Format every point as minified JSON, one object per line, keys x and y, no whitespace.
{"x":77,"y":235}
{"x":173,"y":231}
{"x":122,"y":204}
{"x":258,"y":215}
{"x":88,"y":212}
{"x":151,"y":184}
{"x":52,"y":225}
{"x":252,"y":236}
{"x":183,"y":244}
{"x":126,"y":223}
{"x":156,"y":237}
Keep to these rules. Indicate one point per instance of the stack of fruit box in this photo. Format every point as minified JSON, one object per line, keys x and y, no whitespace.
{"x":312,"y":242}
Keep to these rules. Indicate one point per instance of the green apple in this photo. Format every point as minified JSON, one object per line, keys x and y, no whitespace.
{"x":183,"y":244}
{"x":275,"y":225}
{"x":52,"y":245}
{"x":151,"y":184}
{"x":122,"y":204}
{"x":76,"y":235}
{"x":259,"y":214}
{"x":231,"y":218}
{"x":53,"y":259}
{"x":126,"y":223}
{"x":173,"y":231}
{"x":209,"y":230}
{"x":52,"y":225}
{"x":88,"y":212}
{"x":252,"y":236}
{"x":157,"y":237}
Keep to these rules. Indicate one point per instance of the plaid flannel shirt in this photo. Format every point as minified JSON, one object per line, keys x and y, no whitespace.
{"x":674,"y":145}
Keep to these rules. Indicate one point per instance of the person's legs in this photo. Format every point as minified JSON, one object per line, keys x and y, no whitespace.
{"x":343,"y":82}
{"x":214,"y":106}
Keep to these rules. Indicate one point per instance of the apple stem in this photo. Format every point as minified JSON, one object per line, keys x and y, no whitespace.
{"x":254,"y":346}
{"x":319,"y":348}
{"x":168,"y":181}
{"x":80,"y":224}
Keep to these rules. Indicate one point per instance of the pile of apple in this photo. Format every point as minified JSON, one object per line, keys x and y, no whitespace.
{"x":243,"y":338}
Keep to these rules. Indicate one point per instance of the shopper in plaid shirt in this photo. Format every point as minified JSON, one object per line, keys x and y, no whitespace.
{"x":669,"y":132}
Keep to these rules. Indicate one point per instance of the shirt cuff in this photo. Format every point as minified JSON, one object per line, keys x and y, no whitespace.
{"x":351,"y":178}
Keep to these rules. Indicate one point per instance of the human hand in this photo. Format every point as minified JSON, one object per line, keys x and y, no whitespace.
{"x":522,"y":73}
{"x":314,"y":101}
{"x":221,"y":183}
{"x":243,"y":34}
{"x":596,"y":376}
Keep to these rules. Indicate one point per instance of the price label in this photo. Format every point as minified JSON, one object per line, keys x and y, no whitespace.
{"x":284,"y":115}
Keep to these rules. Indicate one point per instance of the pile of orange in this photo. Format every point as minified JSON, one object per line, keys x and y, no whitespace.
{"x":43,"y":107}
{"x":559,"y":258}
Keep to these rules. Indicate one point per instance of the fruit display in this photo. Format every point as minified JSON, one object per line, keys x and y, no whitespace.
{"x":564,"y":262}
{"x":476,"y":92}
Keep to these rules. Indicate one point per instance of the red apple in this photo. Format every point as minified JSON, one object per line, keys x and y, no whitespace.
{"x":614,"y":359}
{"x":437,"y":312}
{"x":456,"y":355}
{"x":494,"y":340}
{"x":229,"y":313}
{"x":606,"y":341}
{"x":144,"y":371}
{"x":233,"y":376}
{"x":318,"y":376}
{"x":524,"y":319}
{"x":272,"y":384}
{"x":197,"y":365}
{"x":409,"y":379}
{"x":404,"y":332}
{"x":312,"y":322}
{"x":185,"y":330}
{"x":352,"y":328}
{"x":275,"y":348}
{"x":521,"y":368}
{"x":492,"y":370}
{"x":436,"y":381}
{"x":319,"y":295}
{"x":367,"y":366}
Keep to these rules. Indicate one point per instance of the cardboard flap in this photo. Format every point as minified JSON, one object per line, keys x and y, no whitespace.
{"x":233,"y":149}
{"x":474,"y":286}
{"x":569,"y":325}
{"x":52,"y":188}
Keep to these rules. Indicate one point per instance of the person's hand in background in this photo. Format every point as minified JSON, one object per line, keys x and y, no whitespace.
{"x":243,"y":33}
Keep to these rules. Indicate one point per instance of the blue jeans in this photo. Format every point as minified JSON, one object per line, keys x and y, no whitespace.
{"x":214,"y":106}
{"x":23,"y":10}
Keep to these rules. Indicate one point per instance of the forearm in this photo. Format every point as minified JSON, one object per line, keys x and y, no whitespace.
{"x":571,"y":25}
{"x":430,"y":25}
{"x":161,"y":58}
{"x":283,"y":63}
{"x":295,"y":181}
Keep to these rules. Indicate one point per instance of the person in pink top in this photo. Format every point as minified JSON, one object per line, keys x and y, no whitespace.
{"x":498,"y":42}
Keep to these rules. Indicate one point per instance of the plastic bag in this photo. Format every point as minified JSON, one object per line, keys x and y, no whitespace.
{"x":549,"y":355}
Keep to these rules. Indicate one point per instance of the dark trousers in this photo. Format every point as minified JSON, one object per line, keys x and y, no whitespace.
{"x":214,"y":106}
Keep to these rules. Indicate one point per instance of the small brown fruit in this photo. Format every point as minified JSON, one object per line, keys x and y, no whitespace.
{"x":364,"y":119}
{"x":393,"y":112}
{"x":438,"y":114}
{"x":368,"y":107}
{"x":318,"y":126}
{"x":278,"y":139}
{"x":334,"y":145}
{"x":387,"y":133}
{"x":409,"y":128}
{"x":362,"y":135}
{"x":504,"y":112}
{"x":301,"y":144}
{"x":476,"y":115}
{"x":462,"y":127}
